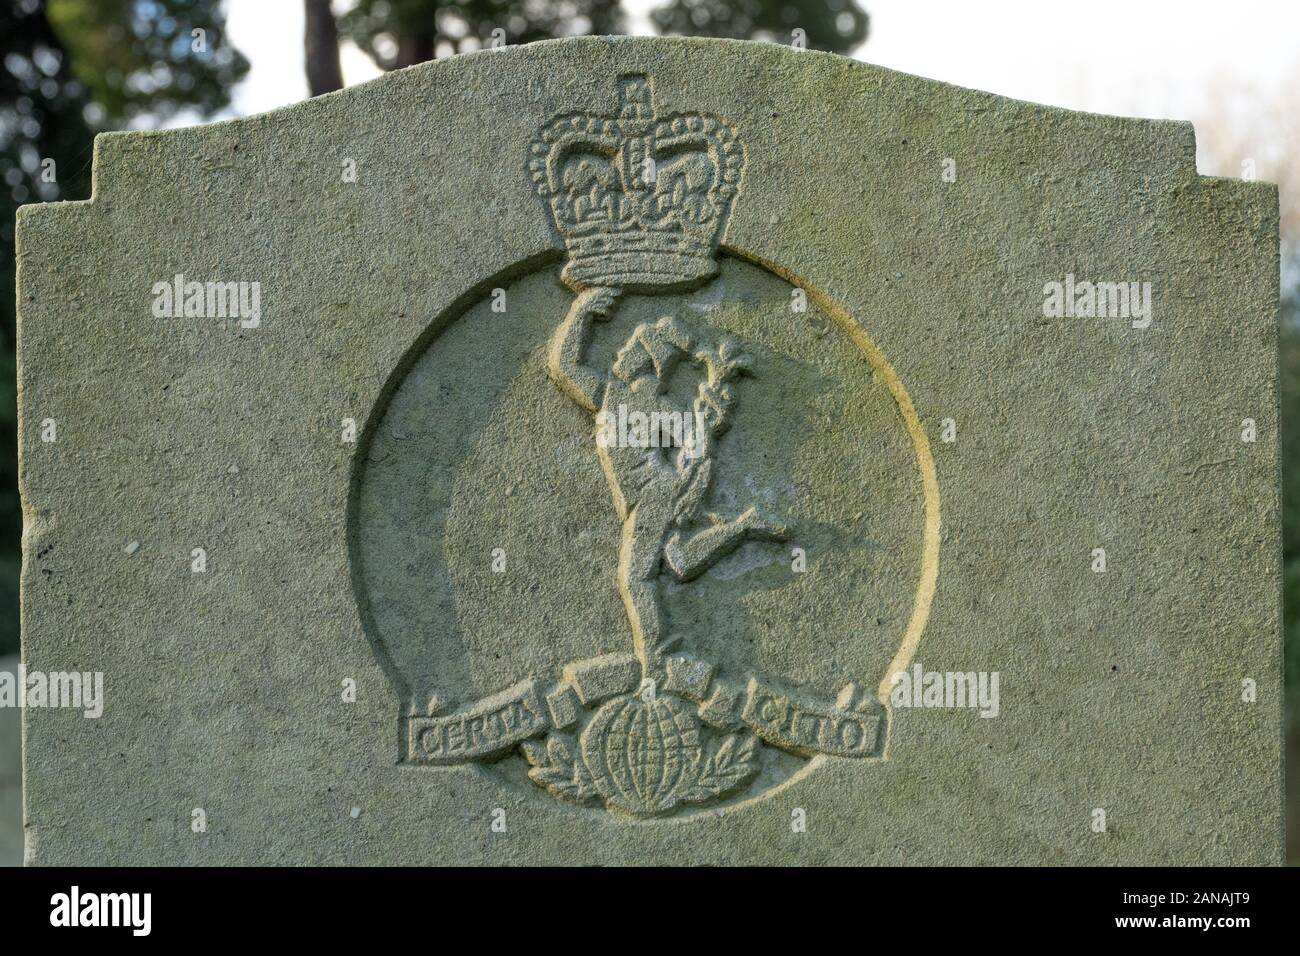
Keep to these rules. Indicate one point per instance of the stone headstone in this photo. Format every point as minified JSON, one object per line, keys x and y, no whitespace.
{"x":670,"y":451}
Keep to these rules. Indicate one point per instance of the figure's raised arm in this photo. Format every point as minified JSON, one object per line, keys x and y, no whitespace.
{"x":569,"y":344}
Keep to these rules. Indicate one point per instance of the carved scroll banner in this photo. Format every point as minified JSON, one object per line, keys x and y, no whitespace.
{"x":796,"y":721}
{"x":487,"y":728}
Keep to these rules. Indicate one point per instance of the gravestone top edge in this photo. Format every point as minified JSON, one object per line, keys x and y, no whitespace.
{"x":1173,"y":138}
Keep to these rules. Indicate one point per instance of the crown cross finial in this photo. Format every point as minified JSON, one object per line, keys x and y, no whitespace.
{"x":636,"y":98}
{"x":641,"y":200}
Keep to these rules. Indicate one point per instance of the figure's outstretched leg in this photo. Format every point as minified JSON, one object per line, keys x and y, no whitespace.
{"x":688,"y":557}
{"x":638,"y":585}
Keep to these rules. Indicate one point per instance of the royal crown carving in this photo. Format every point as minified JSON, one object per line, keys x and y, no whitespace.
{"x":640,"y":200}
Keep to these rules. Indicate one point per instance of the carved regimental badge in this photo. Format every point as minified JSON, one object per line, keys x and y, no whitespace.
{"x":691,"y":461}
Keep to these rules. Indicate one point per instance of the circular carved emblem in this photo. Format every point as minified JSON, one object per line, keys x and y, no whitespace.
{"x":651,"y":532}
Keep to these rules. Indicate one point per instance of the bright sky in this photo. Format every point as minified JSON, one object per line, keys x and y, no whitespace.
{"x":1135,"y":57}
{"x":1152,"y":58}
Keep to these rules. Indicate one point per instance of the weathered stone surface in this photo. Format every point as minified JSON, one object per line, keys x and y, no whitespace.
{"x":840,"y":274}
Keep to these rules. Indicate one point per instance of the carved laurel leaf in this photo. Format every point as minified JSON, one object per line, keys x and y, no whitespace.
{"x":584,"y":789}
{"x":560,"y":750}
{"x":555,"y":768}
{"x":535,"y":753}
{"x":732,"y":763}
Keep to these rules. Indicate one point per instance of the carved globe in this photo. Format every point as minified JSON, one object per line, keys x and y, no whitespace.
{"x":644,"y":758}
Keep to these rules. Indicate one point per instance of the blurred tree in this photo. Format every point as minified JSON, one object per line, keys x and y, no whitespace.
{"x":69,"y":68}
{"x":398,"y":33}
{"x":321,"y":49}
{"x":148,"y":57}
{"x":835,"y":25}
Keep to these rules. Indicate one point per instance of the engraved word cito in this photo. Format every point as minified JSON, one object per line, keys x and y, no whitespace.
{"x":641,"y":202}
